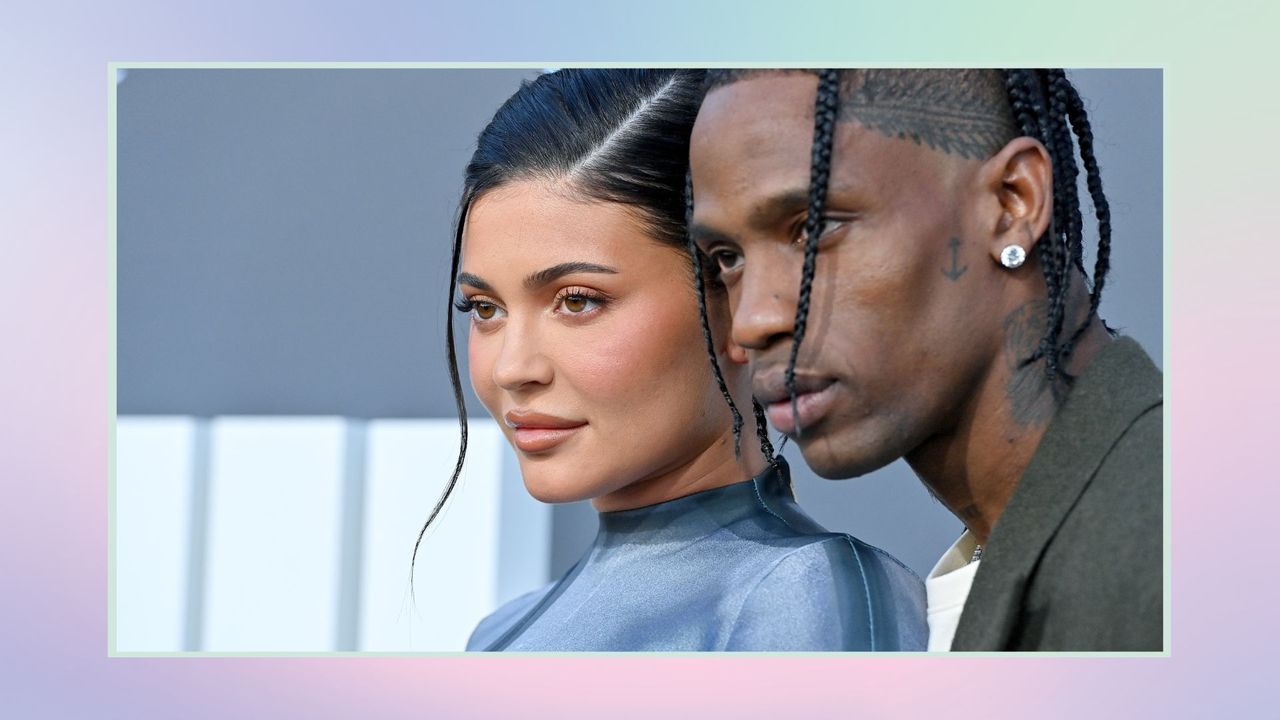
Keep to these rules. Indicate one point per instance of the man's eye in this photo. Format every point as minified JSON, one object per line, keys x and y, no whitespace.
{"x":828,"y":226}
{"x":726,"y":260}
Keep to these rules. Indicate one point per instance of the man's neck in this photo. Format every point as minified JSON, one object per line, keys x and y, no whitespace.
{"x":974,"y":467}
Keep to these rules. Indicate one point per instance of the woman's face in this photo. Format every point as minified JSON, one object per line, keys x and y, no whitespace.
{"x":585,"y":342}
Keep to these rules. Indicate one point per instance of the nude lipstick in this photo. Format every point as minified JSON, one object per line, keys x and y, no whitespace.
{"x":537,"y":432}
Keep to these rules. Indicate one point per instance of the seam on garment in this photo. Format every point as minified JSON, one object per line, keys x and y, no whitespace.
{"x":755,"y":485}
{"x":892,"y":559}
{"x":520,"y":626}
{"x":866,"y":589}
{"x":737,"y":618}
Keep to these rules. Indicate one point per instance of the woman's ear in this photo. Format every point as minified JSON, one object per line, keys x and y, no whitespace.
{"x":1020,"y":180}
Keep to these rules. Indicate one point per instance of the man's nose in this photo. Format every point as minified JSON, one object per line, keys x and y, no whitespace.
{"x":765,"y":310}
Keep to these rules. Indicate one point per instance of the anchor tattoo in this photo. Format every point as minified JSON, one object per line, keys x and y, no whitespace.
{"x":955,"y":272}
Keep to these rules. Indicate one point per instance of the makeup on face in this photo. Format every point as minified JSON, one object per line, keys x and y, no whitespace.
{"x":537,"y":432}
{"x":585,"y":342}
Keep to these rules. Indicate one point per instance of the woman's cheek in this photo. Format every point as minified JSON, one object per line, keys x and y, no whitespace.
{"x":480,"y":364}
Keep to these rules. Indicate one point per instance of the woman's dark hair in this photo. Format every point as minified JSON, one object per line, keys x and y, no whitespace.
{"x":1044,"y":105}
{"x":613,"y":135}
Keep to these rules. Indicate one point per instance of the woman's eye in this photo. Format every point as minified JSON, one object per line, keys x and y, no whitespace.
{"x":577,"y":304}
{"x":478,"y":309}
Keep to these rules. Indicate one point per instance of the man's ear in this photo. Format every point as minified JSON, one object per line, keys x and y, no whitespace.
{"x":1020,"y":178}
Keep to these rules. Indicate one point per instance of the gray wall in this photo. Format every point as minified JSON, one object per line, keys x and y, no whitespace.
{"x":283,"y":246}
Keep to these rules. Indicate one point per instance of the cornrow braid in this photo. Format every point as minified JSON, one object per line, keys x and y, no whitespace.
{"x":1060,"y":90}
{"x":1101,"y":208}
{"x":1027,"y":106}
{"x":706,"y":323}
{"x":762,"y":432}
{"x":825,"y":110}
{"x":1023,"y":102}
{"x":1046,"y":106}
{"x":1060,"y":245}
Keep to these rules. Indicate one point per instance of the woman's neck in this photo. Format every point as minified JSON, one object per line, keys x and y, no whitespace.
{"x":714,"y":467}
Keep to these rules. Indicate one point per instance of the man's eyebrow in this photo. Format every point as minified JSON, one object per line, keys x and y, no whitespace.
{"x":703,"y":235}
{"x":555,"y":272}
{"x":466,"y":278}
{"x":764,"y":215}
{"x":767,"y":211}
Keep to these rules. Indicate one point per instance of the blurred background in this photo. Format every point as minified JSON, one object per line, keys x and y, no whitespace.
{"x":286,"y":420}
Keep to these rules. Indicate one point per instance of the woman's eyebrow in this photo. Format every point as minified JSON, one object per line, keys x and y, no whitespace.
{"x":555,"y":272}
{"x":466,"y":278}
{"x":540,"y":278}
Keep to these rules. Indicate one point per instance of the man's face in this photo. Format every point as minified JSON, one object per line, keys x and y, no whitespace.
{"x":905,"y":313}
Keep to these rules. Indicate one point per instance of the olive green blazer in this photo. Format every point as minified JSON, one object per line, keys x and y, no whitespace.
{"x":1075,"y":562}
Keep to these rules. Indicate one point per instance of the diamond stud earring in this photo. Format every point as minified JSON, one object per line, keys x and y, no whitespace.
{"x":1013,"y":256}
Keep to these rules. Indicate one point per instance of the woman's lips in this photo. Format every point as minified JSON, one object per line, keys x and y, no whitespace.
{"x":537,"y":432}
{"x":542,"y":439}
{"x":811,"y":406}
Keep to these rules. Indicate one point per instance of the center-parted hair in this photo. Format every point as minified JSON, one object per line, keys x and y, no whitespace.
{"x":615,"y":135}
{"x":971,"y":113}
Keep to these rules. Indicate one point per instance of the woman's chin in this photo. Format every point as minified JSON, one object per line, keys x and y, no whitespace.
{"x":553,"y":488}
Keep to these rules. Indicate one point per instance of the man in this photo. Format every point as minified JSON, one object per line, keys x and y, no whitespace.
{"x":930,"y":220}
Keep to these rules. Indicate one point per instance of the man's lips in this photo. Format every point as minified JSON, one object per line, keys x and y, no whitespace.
{"x":814,"y":397}
{"x":770,"y":386}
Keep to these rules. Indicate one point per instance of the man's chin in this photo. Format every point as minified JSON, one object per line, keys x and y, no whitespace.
{"x":831,"y":462}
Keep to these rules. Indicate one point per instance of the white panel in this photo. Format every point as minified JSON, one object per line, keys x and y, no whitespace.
{"x":153,"y":513}
{"x":274,"y":534}
{"x":457,"y":569}
{"x":524,"y":545}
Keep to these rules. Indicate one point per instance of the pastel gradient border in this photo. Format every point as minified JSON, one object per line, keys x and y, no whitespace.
{"x":57,"y":276}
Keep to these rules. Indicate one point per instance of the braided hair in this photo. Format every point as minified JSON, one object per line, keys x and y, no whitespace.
{"x":824,"y":124}
{"x":1045,"y":106}
{"x":702,"y":276}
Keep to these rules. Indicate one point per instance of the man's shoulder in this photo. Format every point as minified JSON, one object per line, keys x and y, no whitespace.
{"x":1123,"y":504}
{"x":1100,"y":582}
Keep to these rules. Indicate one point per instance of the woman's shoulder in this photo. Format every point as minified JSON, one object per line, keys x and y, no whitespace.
{"x":497,"y":623}
{"x":842,"y":555}
{"x":833,"y":592}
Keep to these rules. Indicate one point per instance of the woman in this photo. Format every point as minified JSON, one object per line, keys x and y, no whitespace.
{"x":586,"y":346}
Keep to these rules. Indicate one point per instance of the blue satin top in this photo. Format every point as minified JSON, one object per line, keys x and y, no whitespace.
{"x":734,"y":568}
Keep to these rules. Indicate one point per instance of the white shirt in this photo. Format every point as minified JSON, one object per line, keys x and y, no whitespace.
{"x":946,"y":589}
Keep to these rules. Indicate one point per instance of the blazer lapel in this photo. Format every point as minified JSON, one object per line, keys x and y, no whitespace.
{"x":1118,"y":386}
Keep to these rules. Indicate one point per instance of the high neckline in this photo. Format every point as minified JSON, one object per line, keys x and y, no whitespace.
{"x":756,"y":494}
